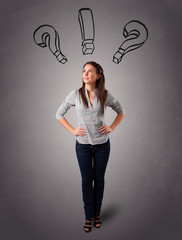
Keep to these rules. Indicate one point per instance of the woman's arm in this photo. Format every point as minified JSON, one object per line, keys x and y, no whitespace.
{"x":105,"y":129}
{"x":75,"y":131}
{"x":117,"y":121}
{"x":61,"y":111}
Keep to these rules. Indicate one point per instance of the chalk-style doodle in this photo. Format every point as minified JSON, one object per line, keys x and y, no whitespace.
{"x":136,"y":34}
{"x":86,"y":21}
{"x":46,"y":35}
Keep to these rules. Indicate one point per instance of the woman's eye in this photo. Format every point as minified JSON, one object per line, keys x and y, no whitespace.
{"x":88,"y":71}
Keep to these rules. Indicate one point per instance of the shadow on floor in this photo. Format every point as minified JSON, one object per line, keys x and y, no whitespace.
{"x":109,"y":212}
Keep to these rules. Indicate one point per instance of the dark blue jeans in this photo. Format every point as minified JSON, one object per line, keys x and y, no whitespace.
{"x":92,"y":160}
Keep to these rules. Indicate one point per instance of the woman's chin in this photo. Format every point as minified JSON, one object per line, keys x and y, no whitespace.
{"x":86,"y":81}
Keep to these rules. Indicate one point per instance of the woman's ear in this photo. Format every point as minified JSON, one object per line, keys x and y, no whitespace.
{"x":98,"y":76}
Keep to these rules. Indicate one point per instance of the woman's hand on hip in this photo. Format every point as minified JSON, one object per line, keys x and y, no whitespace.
{"x":105,"y":129}
{"x":79,"y":131}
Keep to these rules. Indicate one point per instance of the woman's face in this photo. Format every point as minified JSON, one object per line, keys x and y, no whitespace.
{"x":89,"y":74}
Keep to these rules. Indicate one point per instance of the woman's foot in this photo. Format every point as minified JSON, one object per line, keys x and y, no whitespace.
{"x":97,"y":222}
{"x":88,"y":225}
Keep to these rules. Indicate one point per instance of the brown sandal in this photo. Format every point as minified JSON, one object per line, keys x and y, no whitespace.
{"x":97,"y":222}
{"x":88,"y":225}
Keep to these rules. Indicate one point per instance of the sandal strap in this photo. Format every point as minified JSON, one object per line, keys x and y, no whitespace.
{"x":90,"y":221}
{"x":97,"y":221}
{"x":89,"y":227}
{"x":87,"y":224}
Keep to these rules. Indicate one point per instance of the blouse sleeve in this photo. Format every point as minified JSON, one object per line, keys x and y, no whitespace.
{"x":114,"y":103}
{"x":67,"y":103}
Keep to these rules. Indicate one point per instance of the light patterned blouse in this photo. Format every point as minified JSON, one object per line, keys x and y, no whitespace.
{"x":89,"y":118}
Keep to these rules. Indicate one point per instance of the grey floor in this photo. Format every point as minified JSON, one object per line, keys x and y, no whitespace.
{"x":47,"y":211}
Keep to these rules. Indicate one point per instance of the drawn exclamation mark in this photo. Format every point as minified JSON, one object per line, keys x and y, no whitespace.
{"x":86,"y":20}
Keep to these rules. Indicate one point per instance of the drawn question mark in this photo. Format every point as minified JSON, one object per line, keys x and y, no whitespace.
{"x":136,"y":34}
{"x":46,"y":35}
{"x":86,"y":21}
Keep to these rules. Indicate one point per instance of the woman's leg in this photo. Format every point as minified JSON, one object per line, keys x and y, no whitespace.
{"x":101,"y":157}
{"x":84,"y":156}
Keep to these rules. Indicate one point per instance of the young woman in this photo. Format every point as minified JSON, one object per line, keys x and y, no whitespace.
{"x":92,"y":136}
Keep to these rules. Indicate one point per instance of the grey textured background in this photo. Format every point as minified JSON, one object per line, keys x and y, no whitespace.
{"x":40,"y":183}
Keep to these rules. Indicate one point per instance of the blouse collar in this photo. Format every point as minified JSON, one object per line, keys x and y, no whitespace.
{"x":86,"y":92}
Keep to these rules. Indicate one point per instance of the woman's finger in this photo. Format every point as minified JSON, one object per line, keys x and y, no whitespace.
{"x":81,"y":128}
{"x":104,"y":131}
{"x":102,"y":127}
{"x":81,"y":132}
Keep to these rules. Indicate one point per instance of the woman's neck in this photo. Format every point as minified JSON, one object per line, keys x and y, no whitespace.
{"x":90,"y":88}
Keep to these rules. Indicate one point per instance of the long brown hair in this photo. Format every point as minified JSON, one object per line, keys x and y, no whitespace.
{"x":100,"y":85}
